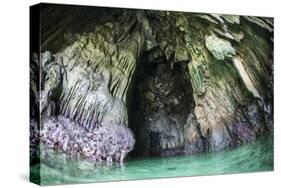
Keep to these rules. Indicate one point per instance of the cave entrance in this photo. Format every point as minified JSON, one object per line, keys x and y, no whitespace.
{"x":159,"y":104}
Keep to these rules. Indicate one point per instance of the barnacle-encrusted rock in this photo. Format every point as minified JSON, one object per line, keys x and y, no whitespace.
{"x":109,"y":142}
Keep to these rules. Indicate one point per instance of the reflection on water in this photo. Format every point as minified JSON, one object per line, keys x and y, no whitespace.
{"x":56,"y":168}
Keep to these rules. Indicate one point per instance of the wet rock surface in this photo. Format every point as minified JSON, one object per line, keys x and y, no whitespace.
{"x":109,"y":142}
{"x":183,"y":83}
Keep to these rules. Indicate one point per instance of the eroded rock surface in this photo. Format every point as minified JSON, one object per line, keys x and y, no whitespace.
{"x":109,"y":142}
{"x":184,"y":83}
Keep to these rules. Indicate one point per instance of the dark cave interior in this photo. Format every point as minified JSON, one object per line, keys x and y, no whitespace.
{"x":160,"y":102}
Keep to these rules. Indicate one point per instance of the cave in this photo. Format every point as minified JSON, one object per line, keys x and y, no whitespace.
{"x":159,"y":105}
{"x":118,"y":94}
{"x":113,"y":85}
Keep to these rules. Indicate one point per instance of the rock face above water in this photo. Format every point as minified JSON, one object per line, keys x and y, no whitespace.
{"x":184,"y":83}
{"x":109,"y":142}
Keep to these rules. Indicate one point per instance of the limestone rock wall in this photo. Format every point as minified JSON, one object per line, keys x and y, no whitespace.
{"x":222,"y":87}
{"x":189,"y":82}
{"x":228,"y":62}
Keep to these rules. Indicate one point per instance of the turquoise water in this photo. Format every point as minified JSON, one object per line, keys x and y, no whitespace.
{"x":57,"y":168}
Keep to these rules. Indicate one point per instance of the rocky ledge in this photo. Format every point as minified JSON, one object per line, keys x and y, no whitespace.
{"x":157,"y":83}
